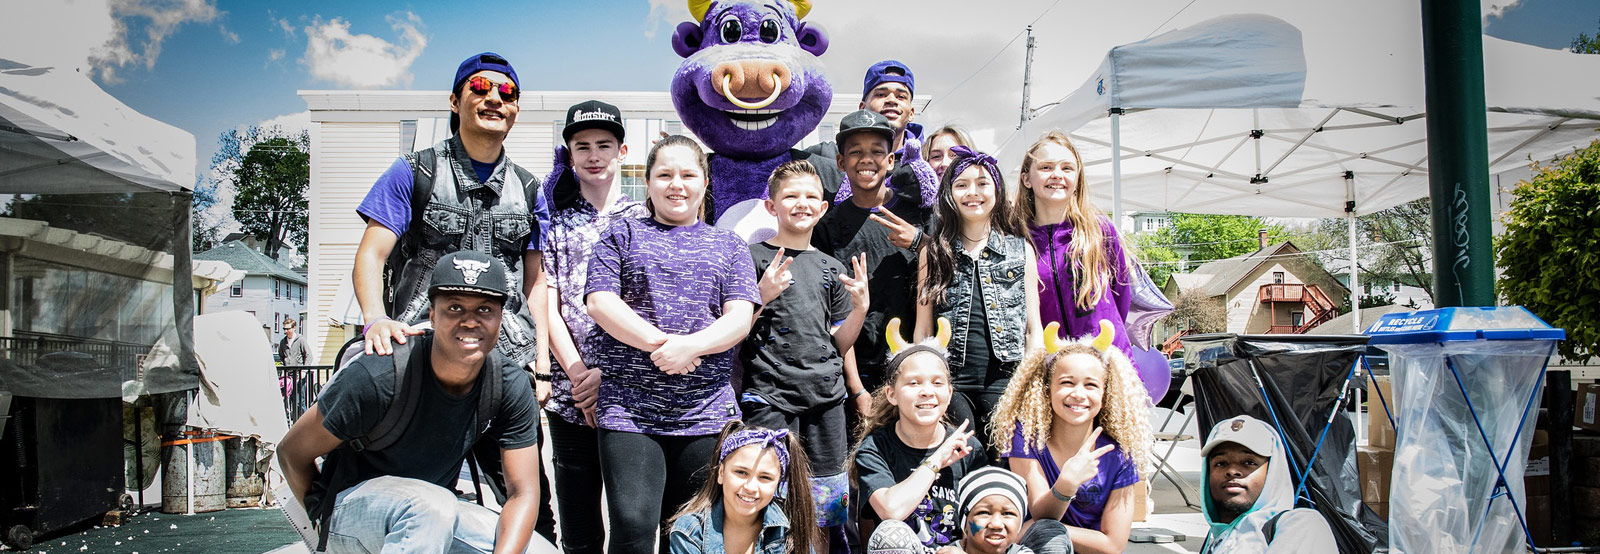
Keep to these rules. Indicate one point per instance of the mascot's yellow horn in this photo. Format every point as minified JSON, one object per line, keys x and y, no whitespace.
{"x":944,"y":333}
{"x":1052,"y":337}
{"x":891,"y":333}
{"x":698,"y":8}
{"x":1102,"y":341}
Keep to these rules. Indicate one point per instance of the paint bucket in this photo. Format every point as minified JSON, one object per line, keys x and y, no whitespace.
{"x":244,"y":478}
{"x":200,"y":454}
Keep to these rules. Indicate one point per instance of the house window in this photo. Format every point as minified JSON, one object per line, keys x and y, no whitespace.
{"x":1397,"y":286}
{"x":1297,"y":318}
{"x":302,"y":293}
{"x":277,"y":290}
{"x":237,"y":290}
{"x":1277,"y":277}
{"x":633,"y":181}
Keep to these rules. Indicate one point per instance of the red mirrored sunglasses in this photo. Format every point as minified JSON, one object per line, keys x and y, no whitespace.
{"x":481,"y":86}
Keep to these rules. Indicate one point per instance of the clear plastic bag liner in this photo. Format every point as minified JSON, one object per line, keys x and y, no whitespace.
{"x":1442,"y":493}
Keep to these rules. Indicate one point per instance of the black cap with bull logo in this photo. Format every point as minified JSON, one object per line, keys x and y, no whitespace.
{"x":470,"y":272}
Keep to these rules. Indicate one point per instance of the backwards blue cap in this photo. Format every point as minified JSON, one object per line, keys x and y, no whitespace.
{"x":879,"y":74}
{"x":487,"y":61}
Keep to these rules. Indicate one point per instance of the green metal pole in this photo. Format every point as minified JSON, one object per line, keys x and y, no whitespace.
{"x":1458,"y":153}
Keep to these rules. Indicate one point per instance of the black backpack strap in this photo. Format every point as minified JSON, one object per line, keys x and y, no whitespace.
{"x":407,"y":395}
{"x":1270,"y":528}
{"x":422,"y":172}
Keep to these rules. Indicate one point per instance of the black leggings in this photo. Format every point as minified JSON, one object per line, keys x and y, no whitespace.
{"x":575,"y":450}
{"x":648,"y":477}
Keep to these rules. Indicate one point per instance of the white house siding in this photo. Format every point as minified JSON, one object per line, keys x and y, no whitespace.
{"x":346,"y":157}
{"x":1246,"y":313}
{"x":258,"y":297}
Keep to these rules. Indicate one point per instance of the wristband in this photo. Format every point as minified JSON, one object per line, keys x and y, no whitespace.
{"x":916,"y":240}
{"x":541,"y":377}
{"x":1064,"y":498}
{"x":374,"y":322}
{"x":931,"y":465}
{"x":858,"y":393}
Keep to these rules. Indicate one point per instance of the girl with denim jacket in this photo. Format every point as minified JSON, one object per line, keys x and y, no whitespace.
{"x":978,"y":271}
{"x":740,"y":510}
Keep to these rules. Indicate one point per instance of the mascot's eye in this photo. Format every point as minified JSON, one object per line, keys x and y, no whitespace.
{"x":731,"y":31}
{"x":769,"y":31}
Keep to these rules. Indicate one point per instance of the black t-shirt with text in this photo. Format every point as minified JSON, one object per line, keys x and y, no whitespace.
{"x":883,"y":460}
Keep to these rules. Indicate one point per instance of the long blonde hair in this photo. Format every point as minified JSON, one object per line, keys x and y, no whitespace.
{"x":1124,"y":407}
{"x":1091,"y":265}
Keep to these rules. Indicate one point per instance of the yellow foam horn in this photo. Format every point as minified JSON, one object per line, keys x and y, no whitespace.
{"x":944,"y":333}
{"x":1102,"y":341}
{"x":698,"y":9}
{"x":801,"y":8}
{"x":891,"y":333}
{"x":1052,"y":337}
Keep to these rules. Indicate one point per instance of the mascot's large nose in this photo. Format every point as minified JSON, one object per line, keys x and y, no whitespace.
{"x":737,"y":80}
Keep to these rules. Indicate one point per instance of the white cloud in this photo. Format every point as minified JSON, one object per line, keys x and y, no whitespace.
{"x":275,"y":54}
{"x":281,"y":23}
{"x":667,"y":12}
{"x":291,"y":124}
{"x":334,"y":54}
{"x":1496,"y":8}
{"x":230,"y":36}
{"x":100,"y":37}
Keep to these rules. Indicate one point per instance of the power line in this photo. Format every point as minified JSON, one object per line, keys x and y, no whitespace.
{"x":996,"y":56}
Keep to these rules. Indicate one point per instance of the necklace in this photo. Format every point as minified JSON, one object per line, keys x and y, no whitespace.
{"x":981,"y":237}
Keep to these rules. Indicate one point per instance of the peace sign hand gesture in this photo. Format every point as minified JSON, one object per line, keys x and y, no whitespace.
{"x":776,"y":278}
{"x":954,"y":447}
{"x":1082,"y":466}
{"x":857,"y":286}
{"x":901,"y":233}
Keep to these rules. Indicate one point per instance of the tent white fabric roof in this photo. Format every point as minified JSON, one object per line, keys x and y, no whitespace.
{"x":1327,"y":100}
{"x":60,"y":133}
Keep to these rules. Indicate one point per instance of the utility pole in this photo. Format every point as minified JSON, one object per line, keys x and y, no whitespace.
{"x":1027,"y":75}
{"x":1458,"y":153}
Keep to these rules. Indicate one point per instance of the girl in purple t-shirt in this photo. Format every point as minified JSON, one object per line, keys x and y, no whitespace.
{"x":670,"y":297}
{"x":1074,"y":424}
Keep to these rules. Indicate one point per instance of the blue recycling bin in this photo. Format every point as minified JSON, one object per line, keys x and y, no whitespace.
{"x":1467,"y":383}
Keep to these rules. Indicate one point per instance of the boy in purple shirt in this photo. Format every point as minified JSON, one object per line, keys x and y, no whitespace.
{"x":670,"y":297}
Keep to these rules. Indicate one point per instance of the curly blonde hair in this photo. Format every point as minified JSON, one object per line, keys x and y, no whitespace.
{"x":1124,"y":407}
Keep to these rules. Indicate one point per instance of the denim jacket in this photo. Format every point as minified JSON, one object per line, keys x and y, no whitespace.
{"x":701,"y":532}
{"x":1002,"y":272}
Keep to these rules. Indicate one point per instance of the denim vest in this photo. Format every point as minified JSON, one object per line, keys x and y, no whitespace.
{"x":462,"y":213}
{"x":702,"y":531}
{"x":1001,"y":270}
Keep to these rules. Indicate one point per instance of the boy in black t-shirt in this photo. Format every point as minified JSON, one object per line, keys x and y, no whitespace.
{"x":883,"y":221}
{"x":794,"y":372}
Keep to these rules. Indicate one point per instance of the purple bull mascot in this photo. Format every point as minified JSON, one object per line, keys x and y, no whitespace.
{"x":750,"y":88}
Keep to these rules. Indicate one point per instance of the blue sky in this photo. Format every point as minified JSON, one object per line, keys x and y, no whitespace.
{"x":207,"y":66}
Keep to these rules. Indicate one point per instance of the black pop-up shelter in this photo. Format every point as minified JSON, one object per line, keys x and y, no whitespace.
{"x":1296,"y":383}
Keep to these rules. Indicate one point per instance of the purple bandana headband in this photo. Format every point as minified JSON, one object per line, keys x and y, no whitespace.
{"x":966,"y":156}
{"x":766,"y":438}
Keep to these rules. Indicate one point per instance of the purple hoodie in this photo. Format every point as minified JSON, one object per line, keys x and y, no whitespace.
{"x":1053,"y":243}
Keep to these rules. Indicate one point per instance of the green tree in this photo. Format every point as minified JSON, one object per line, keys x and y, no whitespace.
{"x":1159,"y":261}
{"x":1586,"y":44}
{"x":268,"y":171}
{"x":1198,"y":313}
{"x":1550,"y":253}
{"x":1214,"y":237}
{"x":1392,"y":246}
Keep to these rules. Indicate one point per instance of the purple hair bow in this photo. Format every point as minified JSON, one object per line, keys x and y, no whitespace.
{"x":965,"y":157}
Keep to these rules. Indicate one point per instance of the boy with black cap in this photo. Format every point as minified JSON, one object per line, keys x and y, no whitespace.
{"x":463,"y":194}
{"x":1249,"y":500}
{"x":396,"y":494}
{"x":882,"y":222}
{"x":887,"y":89}
{"x":585,"y":194}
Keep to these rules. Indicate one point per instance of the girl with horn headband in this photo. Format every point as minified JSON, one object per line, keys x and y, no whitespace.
{"x":909,"y":460}
{"x":1075,"y":424}
{"x":758,"y":499}
{"x":978,"y":271}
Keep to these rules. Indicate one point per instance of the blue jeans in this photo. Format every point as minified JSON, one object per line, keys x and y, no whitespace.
{"x":397,"y":514}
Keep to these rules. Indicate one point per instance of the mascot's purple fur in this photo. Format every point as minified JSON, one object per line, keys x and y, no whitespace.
{"x":750,"y":87}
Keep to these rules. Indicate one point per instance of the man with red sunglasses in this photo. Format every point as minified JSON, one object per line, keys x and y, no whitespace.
{"x":463,"y":193}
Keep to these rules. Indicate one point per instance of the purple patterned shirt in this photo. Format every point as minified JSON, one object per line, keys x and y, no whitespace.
{"x":568,"y":246}
{"x":677,"y":279}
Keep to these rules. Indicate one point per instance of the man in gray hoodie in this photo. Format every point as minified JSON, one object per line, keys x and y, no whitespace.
{"x":1249,"y":497}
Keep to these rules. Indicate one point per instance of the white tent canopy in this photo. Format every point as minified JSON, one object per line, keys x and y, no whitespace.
{"x":1247,"y":114}
{"x":60,"y":133}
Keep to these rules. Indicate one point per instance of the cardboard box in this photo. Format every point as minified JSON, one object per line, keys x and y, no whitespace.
{"x":1374,"y":466}
{"x":1380,"y":432}
{"x":1538,"y":514}
{"x":1588,"y":407}
{"x":1536,"y":475}
{"x":1381,"y":508}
